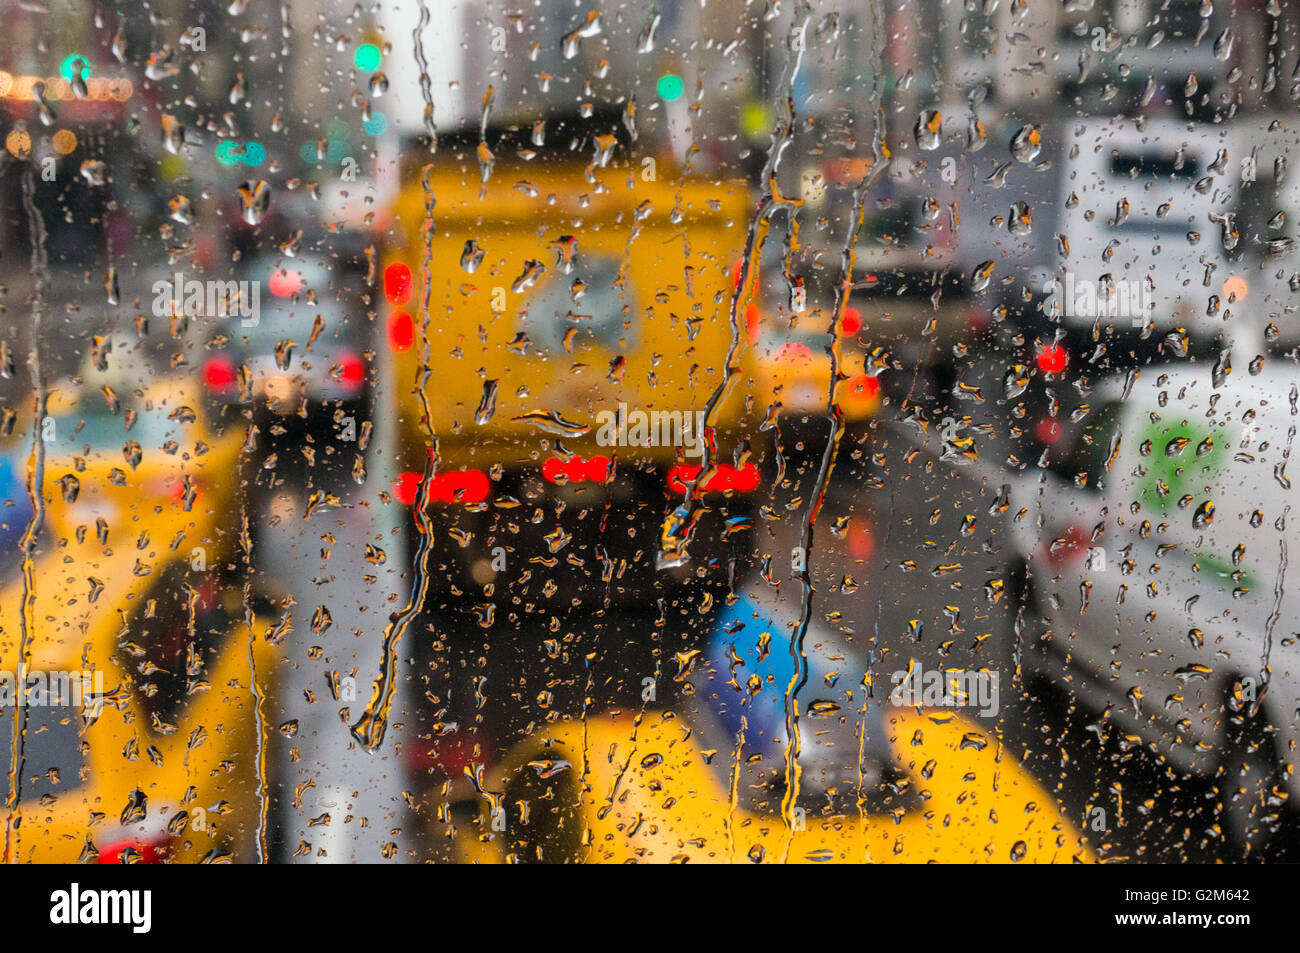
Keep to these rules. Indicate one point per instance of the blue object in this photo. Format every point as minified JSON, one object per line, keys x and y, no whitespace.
{"x":13,"y":519}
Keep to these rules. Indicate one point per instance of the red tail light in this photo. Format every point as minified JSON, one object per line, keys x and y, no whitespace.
{"x":397,"y":283}
{"x":219,"y":375}
{"x":743,"y":479}
{"x":136,"y":851}
{"x":576,"y":470}
{"x":753,"y":322}
{"x":401,"y":331}
{"x":851,"y":323}
{"x":406,"y":486}
{"x":457,"y":486}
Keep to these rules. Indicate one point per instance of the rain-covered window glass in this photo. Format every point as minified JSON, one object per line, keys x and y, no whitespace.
{"x":595,"y":432}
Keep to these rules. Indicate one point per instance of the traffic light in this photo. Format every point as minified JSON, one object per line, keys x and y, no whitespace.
{"x":67,"y":69}
{"x":670,"y":87}
{"x":227,"y":153}
{"x":367,"y":57}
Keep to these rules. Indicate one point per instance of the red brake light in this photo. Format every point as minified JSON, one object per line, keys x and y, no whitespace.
{"x":397,"y":283}
{"x":851,"y":323}
{"x":219,"y":374}
{"x":401,"y":331}
{"x":406,"y":486}
{"x":753,"y":322}
{"x":456,"y":486}
{"x":744,"y":479}
{"x":576,"y":469}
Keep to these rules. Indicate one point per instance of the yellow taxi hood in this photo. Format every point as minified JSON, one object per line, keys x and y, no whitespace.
{"x":647,"y":793}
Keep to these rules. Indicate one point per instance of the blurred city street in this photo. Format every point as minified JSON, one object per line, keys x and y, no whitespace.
{"x":710,"y":432}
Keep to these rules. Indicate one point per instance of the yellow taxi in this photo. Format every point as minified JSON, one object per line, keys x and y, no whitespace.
{"x":560,"y":317}
{"x":131,"y":671}
{"x":642,"y":788}
{"x":903,"y":778}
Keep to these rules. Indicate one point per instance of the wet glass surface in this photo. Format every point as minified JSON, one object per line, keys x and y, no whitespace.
{"x":711,"y":432}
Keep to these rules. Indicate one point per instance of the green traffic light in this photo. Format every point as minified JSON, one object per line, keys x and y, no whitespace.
{"x":254,"y":154}
{"x":226,"y":152}
{"x":69,"y":62}
{"x":367,"y":58}
{"x":670,"y":87}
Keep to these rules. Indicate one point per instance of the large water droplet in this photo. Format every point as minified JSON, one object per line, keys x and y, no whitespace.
{"x":1027,"y":143}
{"x":487,"y":405}
{"x":255,"y":199}
{"x":929,"y":130}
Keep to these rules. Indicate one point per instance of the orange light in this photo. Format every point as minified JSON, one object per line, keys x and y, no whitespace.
{"x":753,"y":319}
{"x":99,"y":89}
{"x":1235,"y":288}
{"x":64,"y":141}
{"x":19,"y":144}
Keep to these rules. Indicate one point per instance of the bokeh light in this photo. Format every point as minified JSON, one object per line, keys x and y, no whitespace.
{"x":367,"y":58}
{"x":254,"y":154}
{"x":227,"y":152}
{"x":64,"y":141}
{"x":670,"y":87}
{"x":66,"y":68}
